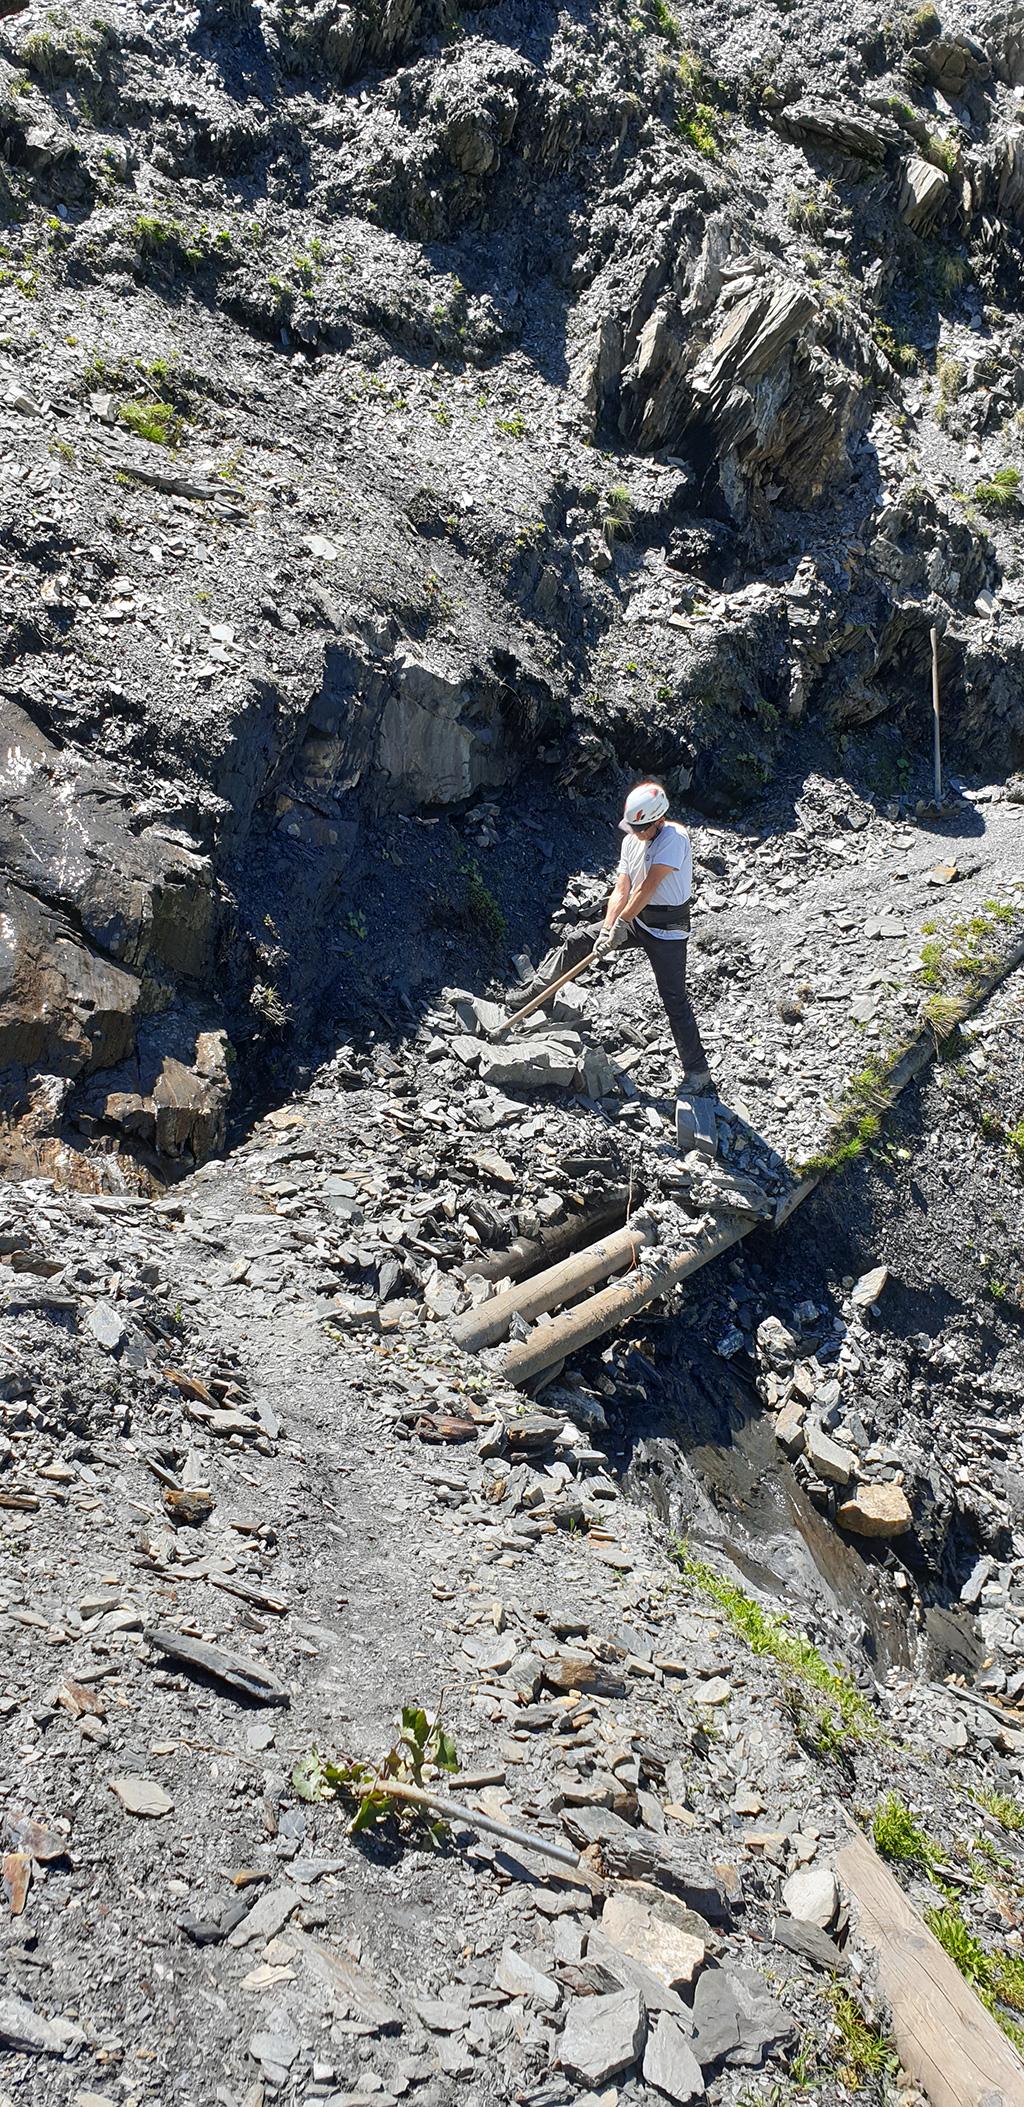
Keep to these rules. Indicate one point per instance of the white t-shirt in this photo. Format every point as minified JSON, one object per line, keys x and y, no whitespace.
{"x":671,"y":846}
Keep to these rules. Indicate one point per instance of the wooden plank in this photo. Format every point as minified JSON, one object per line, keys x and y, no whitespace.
{"x":947,"y":2041}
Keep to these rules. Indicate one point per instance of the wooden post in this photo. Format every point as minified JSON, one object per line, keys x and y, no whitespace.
{"x":936,"y":735}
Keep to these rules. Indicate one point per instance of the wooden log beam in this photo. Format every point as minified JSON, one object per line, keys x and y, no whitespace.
{"x":555,"y":1241}
{"x":549,"y":1290}
{"x":950,"y":2045}
{"x":600,"y":1313}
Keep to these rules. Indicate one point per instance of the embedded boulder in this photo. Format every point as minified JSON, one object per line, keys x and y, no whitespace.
{"x":924,"y":194}
{"x":876,"y":1510}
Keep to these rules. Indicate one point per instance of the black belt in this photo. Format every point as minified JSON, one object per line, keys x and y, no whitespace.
{"x":666,"y":917}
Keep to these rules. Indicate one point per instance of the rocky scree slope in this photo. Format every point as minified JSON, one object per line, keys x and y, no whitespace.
{"x":393,"y":402}
{"x":205,"y":1445}
{"x":234,"y":1418}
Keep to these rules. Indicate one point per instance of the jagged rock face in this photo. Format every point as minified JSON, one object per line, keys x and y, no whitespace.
{"x":388,"y":398}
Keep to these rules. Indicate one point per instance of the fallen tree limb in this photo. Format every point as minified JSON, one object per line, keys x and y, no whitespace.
{"x":458,"y":1811}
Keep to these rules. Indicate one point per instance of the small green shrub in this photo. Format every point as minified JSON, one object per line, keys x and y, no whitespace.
{"x":485,"y":915}
{"x":1015,"y":1150}
{"x":858,"y":1122}
{"x":949,"y":273}
{"x":423,"y":1754}
{"x":668,"y":27}
{"x":514,"y":427}
{"x":697,"y":128}
{"x":865,"y":2055}
{"x":949,"y":373}
{"x":997,"y":1978}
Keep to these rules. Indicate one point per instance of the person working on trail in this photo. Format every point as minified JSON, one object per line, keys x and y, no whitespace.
{"x":649,"y":905}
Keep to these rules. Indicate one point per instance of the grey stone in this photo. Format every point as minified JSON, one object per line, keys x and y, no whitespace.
{"x":534,"y":1064}
{"x":810,"y":1943}
{"x":491,"y":1652}
{"x":267,"y":1917}
{"x":29,"y":2034}
{"x":489,"y":1017}
{"x":980,"y":1572}
{"x":632,"y":1974}
{"x":831,"y":1462}
{"x":519,"y":1978}
{"x":736,"y":2019}
{"x":923,"y":193}
{"x":789,"y":1427}
{"x":669,"y":2061}
{"x":603,"y":2036}
{"x":106,"y":1326}
{"x":775,"y":1344}
{"x":650,"y":1935}
{"x":868,"y":1288}
{"x":812,"y":1895}
{"x":275,"y":2052}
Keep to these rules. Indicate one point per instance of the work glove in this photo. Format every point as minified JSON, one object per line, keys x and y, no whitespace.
{"x":607,"y":940}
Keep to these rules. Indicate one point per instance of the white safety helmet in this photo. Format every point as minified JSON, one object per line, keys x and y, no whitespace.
{"x":646,"y":803}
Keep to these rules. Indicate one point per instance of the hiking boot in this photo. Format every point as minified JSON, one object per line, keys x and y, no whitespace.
{"x":698,"y":1082}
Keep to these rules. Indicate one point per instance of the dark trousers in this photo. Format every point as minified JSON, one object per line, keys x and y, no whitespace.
{"x":668,"y":964}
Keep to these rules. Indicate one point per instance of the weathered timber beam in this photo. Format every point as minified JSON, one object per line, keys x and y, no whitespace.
{"x":557,"y":1285}
{"x":553,"y":1243}
{"x":950,"y":2046}
{"x":600,"y":1313}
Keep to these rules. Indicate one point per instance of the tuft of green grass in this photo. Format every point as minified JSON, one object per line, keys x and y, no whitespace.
{"x":1003,"y":1808}
{"x":865,"y":2055}
{"x":858,"y":1122}
{"x":1015,"y":1151}
{"x":923,"y":24}
{"x":1001,"y":494}
{"x":897,"y":348}
{"x":942,"y":152}
{"x":806,"y":214}
{"x":949,"y":373}
{"x":967,"y":954}
{"x":774,"y":1635}
{"x":689,"y":71}
{"x":997,"y":1978}
{"x":901,"y":1839}
{"x":156,"y":421}
{"x":514,"y":427}
{"x":618,"y":517}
